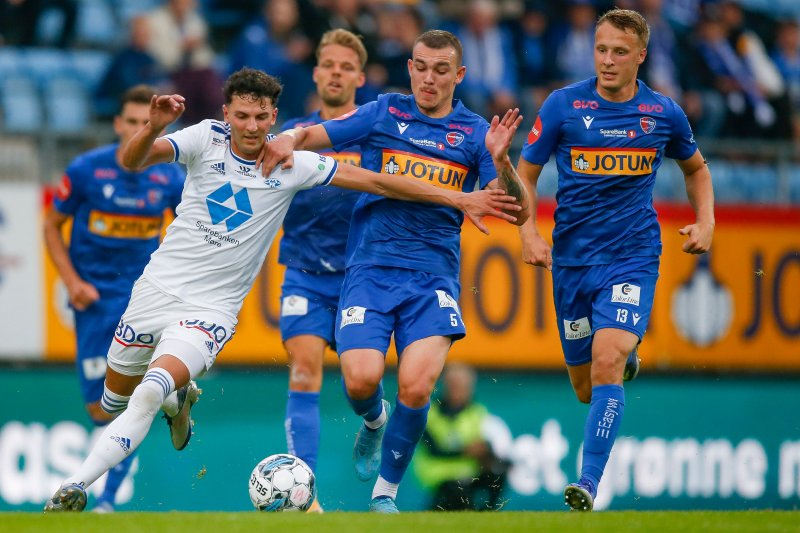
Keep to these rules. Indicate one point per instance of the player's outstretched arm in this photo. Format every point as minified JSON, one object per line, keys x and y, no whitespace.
{"x":498,"y":141}
{"x":701,"y":195}
{"x":280,"y":151}
{"x":475,"y":205}
{"x":535,"y":250}
{"x":143,"y":150}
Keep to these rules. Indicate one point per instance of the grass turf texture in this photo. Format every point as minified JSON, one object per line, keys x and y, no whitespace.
{"x":612,"y":522}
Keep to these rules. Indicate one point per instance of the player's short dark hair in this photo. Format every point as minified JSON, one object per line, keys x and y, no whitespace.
{"x":347,"y":39}
{"x":252,"y":83}
{"x":628,"y":20}
{"x":138,"y":94}
{"x":438,"y":39}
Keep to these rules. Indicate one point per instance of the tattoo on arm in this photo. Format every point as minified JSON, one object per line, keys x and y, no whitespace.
{"x":510,"y":182}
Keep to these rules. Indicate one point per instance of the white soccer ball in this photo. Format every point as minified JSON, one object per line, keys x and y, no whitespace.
{"x":282,"y":482}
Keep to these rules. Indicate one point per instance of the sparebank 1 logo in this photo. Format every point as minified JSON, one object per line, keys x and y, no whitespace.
{"x":232,"y":208}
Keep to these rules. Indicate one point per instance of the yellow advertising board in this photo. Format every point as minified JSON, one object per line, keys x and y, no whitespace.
{"x":735,"y":308}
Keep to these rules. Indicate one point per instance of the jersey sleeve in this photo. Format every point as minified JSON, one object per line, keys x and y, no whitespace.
{"x":312,"y":169}
{"x":71,"y":189}
{"x":190,"y":141}
{"x":681,"y":145}
{"x":543,"y":137}
{"x":350,"y":128}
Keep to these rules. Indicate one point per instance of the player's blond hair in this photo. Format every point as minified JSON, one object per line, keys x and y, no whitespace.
{"x":628,"y":20}
{"x":348,"y":40}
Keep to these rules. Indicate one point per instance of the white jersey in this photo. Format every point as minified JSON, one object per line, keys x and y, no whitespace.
{"x":227,"y":218}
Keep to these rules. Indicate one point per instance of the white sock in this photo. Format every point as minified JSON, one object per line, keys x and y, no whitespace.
{"x":125,"y":433}
{"x":384,"y":488}
{"x":378,"y":422}
{"x":170,"y":405}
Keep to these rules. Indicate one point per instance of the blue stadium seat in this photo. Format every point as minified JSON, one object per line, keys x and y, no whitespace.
{"x":68,"y":105}
{"x":11,"y":60}
{"x":726,"y":189}
{"x":44,"y":63}
{"x":97,"y":24}
{"x":794,"y":184}
{"x":20,"y":103}
{"x":547,"y":184}
{"x":90,"y":66}
{"x":127,"y":9}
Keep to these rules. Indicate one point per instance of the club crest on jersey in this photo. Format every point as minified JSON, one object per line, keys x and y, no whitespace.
{"x":454,"y":138}
{"x":647,"y":124}
{"x":272,"y":183}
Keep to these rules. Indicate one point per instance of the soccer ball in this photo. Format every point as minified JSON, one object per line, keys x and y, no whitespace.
{"x":282,"y":482}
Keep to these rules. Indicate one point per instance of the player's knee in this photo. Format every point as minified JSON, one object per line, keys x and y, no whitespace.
{"x":360,"y":381}
{"x":414,"y":395}
{"x":305,"y":376}
{"x":608,"y":368}
{"x":147,"y":398}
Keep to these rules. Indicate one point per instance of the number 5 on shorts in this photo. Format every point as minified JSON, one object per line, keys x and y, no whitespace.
{"x":454,"y":320}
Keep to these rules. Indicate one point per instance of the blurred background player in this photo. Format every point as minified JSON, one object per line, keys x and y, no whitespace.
{"x":117,"y":219}
{"x":313,"y":249}
{"x":456,"y":460}
{"x":403,"y":258}
{"x":184,"y":307}
{"x":607,"y":241}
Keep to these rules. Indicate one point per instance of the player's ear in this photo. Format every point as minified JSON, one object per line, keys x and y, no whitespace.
{"x":314,"y":75}
{"x":225,"y":113}
{"x":642,"y":55}
{"x":460,"y":73}
{"x":362,"y":79}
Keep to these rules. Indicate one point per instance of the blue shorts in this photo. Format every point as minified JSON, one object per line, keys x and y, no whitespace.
{"x":377,"y":301}
{"x":619,"y":296}
{"x":308,"y":303}
{"x":94,"y":331}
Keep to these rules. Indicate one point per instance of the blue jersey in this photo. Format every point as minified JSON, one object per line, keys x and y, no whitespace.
{"x":607,"y":154}
{"x":117,"y":216}
{"x":396,"y":138}
{"x":316,"y":226}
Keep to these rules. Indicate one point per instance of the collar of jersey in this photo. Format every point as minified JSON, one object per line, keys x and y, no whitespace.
{"x":593,"y":86}
{"x":239,"y":159}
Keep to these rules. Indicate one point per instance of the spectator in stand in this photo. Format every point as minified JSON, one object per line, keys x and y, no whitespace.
{"x":130,"y":66}
{"x":20,"y":18}
{"x":659,"y":70}
{"x":179,"y":43}
{"x":574,"y":46}
{"x":276,"y":44}
{"x":786,"y":56}
{"x":398,"y":28}
{"x":456,"y":460}
{"x":492,"y":84}
{"x":533,"y":56}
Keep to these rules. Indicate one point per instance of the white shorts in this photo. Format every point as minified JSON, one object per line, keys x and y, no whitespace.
{"x":156,"y":323}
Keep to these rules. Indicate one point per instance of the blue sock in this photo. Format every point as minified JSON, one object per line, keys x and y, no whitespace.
{"x":369,"y":408}
{"x":600,"y":432}
{"x":403,"y":432}
{"x":302,"y":426}
{"x":114,"y":479}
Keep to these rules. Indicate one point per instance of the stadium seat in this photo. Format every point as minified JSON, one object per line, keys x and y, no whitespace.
{"x":127,"y":9}
{"x":11,"y":60}
{"x":547,"y":184}
{"x":44,"y":63}
{"x":21,"y":106}
{"x":794,"y":185}
{"x":67,"y":105}
{"x":90,"y":66}
{"x":96,"y":24}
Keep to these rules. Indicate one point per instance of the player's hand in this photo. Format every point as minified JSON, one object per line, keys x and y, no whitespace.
{"x":536,"y":251}
{"x":501,"y":133}
{"x":699,"y":238}
{"x":165,"y":109}
{"x":494,"y":202}
{"x":278,"y":150}
{"x":82,"y":294}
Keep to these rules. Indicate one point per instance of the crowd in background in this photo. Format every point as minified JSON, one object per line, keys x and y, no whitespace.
{"x":735,"y":71}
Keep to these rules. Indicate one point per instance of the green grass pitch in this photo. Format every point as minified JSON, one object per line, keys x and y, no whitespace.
{"x":562,"y":522}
